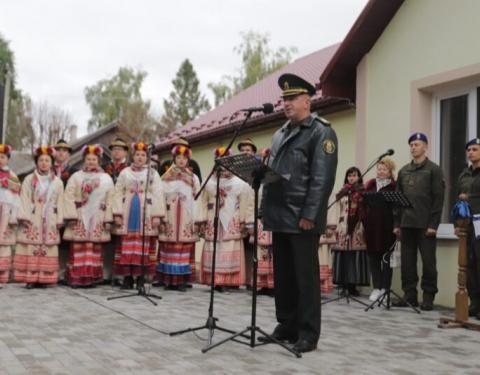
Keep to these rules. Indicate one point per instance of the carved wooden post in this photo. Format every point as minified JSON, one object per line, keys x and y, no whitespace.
{"x":461,"y":297}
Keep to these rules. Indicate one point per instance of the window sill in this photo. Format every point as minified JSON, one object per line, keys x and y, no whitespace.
{"x":446,"y":232}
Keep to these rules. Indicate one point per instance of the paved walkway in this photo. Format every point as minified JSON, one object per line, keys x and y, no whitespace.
{"x":63,"y":331}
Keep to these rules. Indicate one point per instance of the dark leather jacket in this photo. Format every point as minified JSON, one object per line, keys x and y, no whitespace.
{"x":306,"y":156}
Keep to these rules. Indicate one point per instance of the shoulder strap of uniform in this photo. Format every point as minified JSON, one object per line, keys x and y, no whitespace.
{"x":321,"y":119}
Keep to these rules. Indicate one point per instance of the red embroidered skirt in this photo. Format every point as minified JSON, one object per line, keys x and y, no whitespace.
{"x":85,"y":263}
{"x":176,"y":263}
{"x":36,"y":264}
{"x":128,"y":255}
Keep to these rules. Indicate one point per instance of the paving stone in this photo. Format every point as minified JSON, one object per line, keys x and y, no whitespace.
{"x":59,"y":330}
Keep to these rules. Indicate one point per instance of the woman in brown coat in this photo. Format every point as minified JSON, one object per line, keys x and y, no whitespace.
{"x":378,"y":225}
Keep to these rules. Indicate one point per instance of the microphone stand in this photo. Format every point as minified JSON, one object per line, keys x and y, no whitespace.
{"x":258,"y":175}
{"x":211,"y":324}
{"x":141,"y":291}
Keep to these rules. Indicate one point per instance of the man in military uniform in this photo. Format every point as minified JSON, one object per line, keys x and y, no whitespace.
{"x":119,"y":161}
{"x":62,"y":155}
{"x":469,"y":190}
{"x":422,"y":182}
{"x":247,"y":146}
{"x":119,"y":152}
{"x":63,"y":171}
{"x":191,"y":163}
{"x":304,"y":153}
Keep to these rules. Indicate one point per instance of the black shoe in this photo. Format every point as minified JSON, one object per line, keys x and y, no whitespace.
{"x":188,"y":286}
{"x":427,"y":303}
{"x":140,"y":282}
{"x":158,"y":284}
{"x":171,"y":287}
{"x":127,"y":282}
{"x":220,"y":289}
{"x":478,"y":316}
{"x":182,"y":288}
{"x":426,"y":306}
{"x":29,"y":286}
{"x":280,"y":333}
{"x":304,"y":345}
{"x":405,"y":303}
{"x":352,"y":290}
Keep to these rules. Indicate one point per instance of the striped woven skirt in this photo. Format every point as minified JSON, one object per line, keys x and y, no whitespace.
{"x":230,"y":263}
{"x":5,"y":262}
{"x":85,"y":263}
{"x":36,"y":264}
{"x":128,"y":255}
{"x":176,"y":263}
{"x":326,"y":274}
{"x":265,"y":267}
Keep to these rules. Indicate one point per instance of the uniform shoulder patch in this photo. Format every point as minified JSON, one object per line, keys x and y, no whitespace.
{"x":329,"y":146}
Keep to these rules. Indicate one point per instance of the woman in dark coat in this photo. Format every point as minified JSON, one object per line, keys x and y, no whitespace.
{"x":350,"y":261}
{"x":378,"y":225}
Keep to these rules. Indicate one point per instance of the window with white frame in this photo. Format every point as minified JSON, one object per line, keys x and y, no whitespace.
{"x":456,"y":118}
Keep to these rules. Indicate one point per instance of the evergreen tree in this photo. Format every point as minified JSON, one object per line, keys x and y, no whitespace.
{"x":186,"y":101}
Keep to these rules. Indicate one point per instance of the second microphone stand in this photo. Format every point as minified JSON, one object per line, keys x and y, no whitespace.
{"x":211,"y":323}
{"x":141,"y":291}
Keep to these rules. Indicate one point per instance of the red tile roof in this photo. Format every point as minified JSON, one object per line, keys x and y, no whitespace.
{"x":218,"y":121}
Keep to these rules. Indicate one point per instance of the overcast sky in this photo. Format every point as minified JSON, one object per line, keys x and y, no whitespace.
{"x":61,"y":46}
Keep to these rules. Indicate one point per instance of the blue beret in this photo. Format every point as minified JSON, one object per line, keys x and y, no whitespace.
{"x":474,"y":141}
{"x":418,"y":137}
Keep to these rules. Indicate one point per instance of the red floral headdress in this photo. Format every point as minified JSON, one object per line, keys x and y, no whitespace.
{"x":182,"y":150}
{"x":5,"y":149}
{"x":92,"y":149}
{"x":139,"y":146}
{"x":221,"y":151}
{"x":45,"y":150}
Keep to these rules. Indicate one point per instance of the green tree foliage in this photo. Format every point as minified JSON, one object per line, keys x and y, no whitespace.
{"x":6,"y":58}
{"x":19,"y":132}
{"x":258,"y":61}
{"x":186,"y":101}
{"x":120,"y":98}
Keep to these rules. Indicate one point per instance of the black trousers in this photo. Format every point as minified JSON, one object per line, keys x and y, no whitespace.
{"x":473,"y":269}
{"x":381,"y":271}
{"x":414,"y":240}
{"x":297,"y":283}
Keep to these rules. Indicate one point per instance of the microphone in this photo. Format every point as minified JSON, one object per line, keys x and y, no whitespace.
{"x":389,"y":152}
{"x":151,"y":147}
{"x":266,"y":108}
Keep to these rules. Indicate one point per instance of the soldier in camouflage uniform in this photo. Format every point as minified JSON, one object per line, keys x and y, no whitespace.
{"x":468,"y":188}
{"x":422,"y":182}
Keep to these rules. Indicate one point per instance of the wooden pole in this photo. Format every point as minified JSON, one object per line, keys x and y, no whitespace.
{"x":461,"y":297}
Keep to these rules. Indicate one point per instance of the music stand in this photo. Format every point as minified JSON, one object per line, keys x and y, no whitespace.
{"x":251,"y":170}
{"x":379,"y":200}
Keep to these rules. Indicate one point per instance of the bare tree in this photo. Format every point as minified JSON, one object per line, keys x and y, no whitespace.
{"x":50,"y":123}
